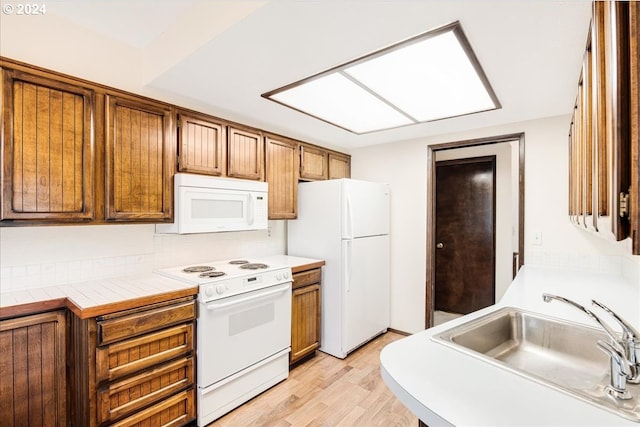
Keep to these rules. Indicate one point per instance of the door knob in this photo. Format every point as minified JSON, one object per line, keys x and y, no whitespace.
{"x":439,"y":245}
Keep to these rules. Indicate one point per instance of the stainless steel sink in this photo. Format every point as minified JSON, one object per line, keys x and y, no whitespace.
{"x":554,"y":352}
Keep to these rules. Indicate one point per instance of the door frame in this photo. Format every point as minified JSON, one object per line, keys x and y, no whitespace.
{"x":431,"y":208}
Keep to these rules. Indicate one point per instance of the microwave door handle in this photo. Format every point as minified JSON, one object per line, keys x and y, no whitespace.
{"x":251,"y":216}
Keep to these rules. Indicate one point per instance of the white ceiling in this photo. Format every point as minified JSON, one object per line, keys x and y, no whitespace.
{"x":222,"y":55}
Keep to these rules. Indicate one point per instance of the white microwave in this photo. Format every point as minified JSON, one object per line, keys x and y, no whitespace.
{"x":206,"y":204}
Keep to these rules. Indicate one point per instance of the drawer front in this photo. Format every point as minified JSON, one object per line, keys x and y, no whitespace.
{"x":305,"y":278}
{"x":129,"y":396}
{"x":126,"y":357}
{"x":119,"y":328}
{"x":175,"y":411}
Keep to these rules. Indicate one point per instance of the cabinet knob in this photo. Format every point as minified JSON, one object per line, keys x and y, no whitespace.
{"x":439,"y":245}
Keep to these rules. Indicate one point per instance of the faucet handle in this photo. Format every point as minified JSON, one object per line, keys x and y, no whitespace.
{"x":620,"y":371}
{"x":629,"y":332}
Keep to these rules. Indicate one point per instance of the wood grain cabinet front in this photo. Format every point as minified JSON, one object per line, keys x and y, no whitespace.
{"x":245,"y":153}
{"x":138,"y":160}
{"x":202,"y":144}
{"x":282,"y":164}
{"x":604,"y":135}
{"x":33,"y":389}
{"x":339,"y":165}
{"x":314,"y":163}
{"x":305,"y":314}
{"x":47,"y":149}
{"x":136,"y":366}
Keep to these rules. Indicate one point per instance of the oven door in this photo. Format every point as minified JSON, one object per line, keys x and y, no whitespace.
{"x":239,"y":331}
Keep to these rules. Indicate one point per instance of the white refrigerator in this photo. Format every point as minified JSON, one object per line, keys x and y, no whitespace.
{"x":346,"y":223}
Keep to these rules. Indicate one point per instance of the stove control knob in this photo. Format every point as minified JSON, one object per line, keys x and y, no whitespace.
{"x":208,"y":291}
{"x":278,"y":276}
{"x":220,"y":289}
{"x":286,"y":274}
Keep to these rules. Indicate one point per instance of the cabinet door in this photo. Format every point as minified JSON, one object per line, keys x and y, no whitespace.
{"x":32,"y":370}
{"x":339,"y":166}
{"x":305,"y":321}
{"x":282,"y":164}
{"x":245,"y":151}
{"x":314,"y":163}
{"x":202,"y":145}
{"x":634,"y":56}
{"x":139,"y":161}
{"x":47,"y":149}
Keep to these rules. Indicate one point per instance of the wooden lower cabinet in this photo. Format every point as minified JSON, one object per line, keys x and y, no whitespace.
{"x":33,"y":371}
{"x":136,"y":367}
{"x":305,"y":314}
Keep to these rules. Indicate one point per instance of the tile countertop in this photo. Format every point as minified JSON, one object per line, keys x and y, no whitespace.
{"x":297,"y":264}
{"x":96,"y":297}
{"x":445,"y":387}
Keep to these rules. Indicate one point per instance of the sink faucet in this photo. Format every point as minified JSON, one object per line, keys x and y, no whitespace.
{"x":624,"y":352}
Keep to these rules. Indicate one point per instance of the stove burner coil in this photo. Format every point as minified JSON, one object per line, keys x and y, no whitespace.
{"x":211,"y":274}
{"x":239,"y":262}
{"x":254,"y":266}
{"x":198,"y":269}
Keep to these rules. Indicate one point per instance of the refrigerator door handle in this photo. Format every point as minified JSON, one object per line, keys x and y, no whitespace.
{"x":347,"y":266}
{"x":348,"y":220}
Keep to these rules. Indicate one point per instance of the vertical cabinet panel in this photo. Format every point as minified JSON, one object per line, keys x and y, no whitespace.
{"x":48,"y":149}
{"x":339,"y":166}
{"x":305,"y":314}
{"x":202,"y":145}
{"x":282,"y":165}
{"x":139,"y":160}
{"x":314,"y":163}
{"x":32,"y":370}
{"x":245,"y":151}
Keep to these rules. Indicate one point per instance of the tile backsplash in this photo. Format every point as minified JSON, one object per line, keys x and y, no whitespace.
{"x":36,"y":257}
{"x":625,"y":265}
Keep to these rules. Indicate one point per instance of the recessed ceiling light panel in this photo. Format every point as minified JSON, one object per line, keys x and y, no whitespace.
{"x":429,"y":77}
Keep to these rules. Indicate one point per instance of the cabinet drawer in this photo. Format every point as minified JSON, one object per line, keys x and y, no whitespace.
{"x":126,"y":357}
{"x":139,"y":323}
{"x":177,"y":410}
{"x":129,"y":396}
{"x":305,"y":278}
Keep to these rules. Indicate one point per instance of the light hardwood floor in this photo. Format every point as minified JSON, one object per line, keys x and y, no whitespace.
{"x":326,"y":391}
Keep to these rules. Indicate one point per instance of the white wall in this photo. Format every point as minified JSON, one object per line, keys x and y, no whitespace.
{"x":404,"y":166}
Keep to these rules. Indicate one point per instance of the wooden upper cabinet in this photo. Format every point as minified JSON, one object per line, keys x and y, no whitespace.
{"x":603,"y":136}
{"x":245,"y":153}
{"x":48,"y":156}
{"x":138,"y":160}
{"x":282,"y":165}
{"x":314,"y":163}
{"x":339,"y":165}
{"x":202,"y":144}
{"x":634,"y":82}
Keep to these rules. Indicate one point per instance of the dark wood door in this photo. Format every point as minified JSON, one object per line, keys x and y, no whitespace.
{"x":465,"y":230}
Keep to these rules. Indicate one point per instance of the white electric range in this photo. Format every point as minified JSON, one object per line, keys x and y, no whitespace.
{"x":243,"y":330}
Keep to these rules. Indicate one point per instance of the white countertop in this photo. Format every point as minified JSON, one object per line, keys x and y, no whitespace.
{"x":443,"y":386}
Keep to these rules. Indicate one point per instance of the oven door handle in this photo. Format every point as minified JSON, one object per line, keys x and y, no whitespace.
{"x":217,"y":306}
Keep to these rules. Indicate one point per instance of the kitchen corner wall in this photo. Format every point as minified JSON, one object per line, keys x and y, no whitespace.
{"x":35,"y":257}
{"x":404,"y":166}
